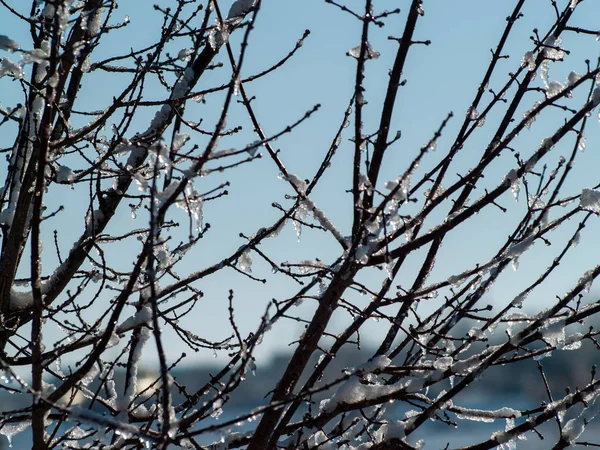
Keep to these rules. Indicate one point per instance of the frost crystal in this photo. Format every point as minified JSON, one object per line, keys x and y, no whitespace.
{"x":590,"y":201}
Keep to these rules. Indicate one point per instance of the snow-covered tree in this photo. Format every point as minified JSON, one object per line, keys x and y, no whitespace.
{"x":170,"y":166}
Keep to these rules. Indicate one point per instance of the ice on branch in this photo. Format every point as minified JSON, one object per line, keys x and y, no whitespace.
{"x":515,"y":251}
{"x":73,"y":435}
{"x":472,"y":113}
{"x":587,"y":279}
{"x":323,"y":220}
{"x":299,"y":185}
{"x":20,"y":300}
{"x":573,"y":78}
{"x":377,"y":363}
{"x":253,"y":148}
{"x":581,"y":142}
{"x":596,"y":97}
{"x":528,"y":61}
{"x":465,"y":367}
{"x":576,"y":426}
{"x":192,"y":202}
{"x":392,"y":430}
{"x":185,"y":54}
{"x":240,"y":8}
{"x":370,"y":52}
{"x":64,"y":175}
{"x":443,"y":363}
{"x":182,"y":86}
{"x":11,"y":429}
{"x":91,"y":375}
{"x":144,"y":315}
{"x":160,"y":118}
{"x":123,"y":402}
{"x":364,"y":184}
{"x":590,"y":201}
{"x":92,"y":220}
{"x":482,"y":415}
{"x":553,"y":333}
{"x":7,"y":67}
{"x":373,"y":225}
{"x":94,"y":21}
{"x":8,"y":44}
{"x":399,"y":187}
{"x":164,"y":196}
{"x":573,"y":342}
{"x":245,"y":262}
{"x":218,"y":36}
{"x":552,"y":48}
{"x":48,"y":11}
{"x":554,"y":88}
{"x":354,"y":391}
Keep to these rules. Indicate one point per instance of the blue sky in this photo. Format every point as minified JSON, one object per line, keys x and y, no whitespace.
{"x":442,"y":77}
